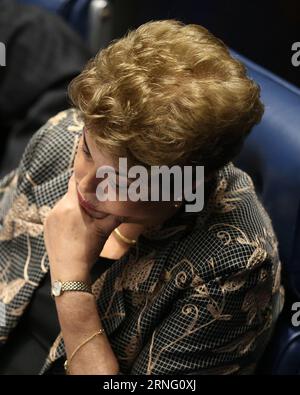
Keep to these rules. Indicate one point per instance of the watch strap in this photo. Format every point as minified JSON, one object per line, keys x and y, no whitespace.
{"x":76,"y":286}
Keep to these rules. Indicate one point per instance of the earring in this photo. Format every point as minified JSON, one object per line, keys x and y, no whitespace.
{"x":176,"y":205}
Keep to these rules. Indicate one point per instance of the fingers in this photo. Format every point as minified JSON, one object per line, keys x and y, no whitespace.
{"x":110,"y":222}
{"x":72,"y":183}
{"x":72,"y":189}
{"x":104,"y":227}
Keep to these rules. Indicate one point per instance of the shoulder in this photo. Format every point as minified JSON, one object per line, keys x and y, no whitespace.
{"x":237,"y":235}
{"x":52,"y":148}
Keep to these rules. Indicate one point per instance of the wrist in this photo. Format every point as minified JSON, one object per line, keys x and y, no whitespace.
{"x":74,"y":273}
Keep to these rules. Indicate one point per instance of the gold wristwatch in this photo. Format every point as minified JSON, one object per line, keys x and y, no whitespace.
{"x":58,"y":287}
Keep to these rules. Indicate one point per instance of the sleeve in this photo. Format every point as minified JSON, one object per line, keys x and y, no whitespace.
{"x":36,"y":162}
{"x":217,"y":327}
{"x":11,"y":182}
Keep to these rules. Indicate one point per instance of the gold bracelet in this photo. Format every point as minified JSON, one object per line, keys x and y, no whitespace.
{"x":123,"y":238}
{"x":68,"y":363}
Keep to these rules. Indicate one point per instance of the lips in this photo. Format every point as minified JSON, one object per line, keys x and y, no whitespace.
{"x":85,"y":203}
{"x":89,"y":208}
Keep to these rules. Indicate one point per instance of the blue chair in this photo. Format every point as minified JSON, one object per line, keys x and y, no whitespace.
{"x":51,"y":5}
{"x":91,"y":19}
{"x":271,"y":156}
{"x":75,"y":12}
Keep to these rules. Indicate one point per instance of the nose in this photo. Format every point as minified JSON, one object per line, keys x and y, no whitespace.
{"x":88,"y":185}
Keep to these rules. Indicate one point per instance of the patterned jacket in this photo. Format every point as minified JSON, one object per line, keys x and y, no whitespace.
{"x":200,"y":294}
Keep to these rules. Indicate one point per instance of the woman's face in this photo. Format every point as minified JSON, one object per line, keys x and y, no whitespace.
{"x":88,"y":159}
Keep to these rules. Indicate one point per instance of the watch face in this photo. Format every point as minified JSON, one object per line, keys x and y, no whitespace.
{"x":56,"y":288}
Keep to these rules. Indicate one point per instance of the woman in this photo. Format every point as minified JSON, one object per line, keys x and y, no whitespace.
{"x":151,"y":287}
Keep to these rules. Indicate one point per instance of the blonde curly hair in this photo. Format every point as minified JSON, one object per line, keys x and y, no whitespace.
{"x":168,"y":93}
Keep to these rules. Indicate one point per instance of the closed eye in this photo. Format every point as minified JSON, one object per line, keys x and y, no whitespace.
{"x":85,"y":151}
{"x":85,"y":148}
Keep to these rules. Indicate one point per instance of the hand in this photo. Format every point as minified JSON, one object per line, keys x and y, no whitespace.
{"x":73,"y":239}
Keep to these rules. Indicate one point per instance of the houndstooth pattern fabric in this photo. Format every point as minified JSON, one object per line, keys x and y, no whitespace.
{"x":199,"y":295}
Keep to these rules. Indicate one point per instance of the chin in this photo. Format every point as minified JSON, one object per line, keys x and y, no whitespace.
{"x":94,"y":214}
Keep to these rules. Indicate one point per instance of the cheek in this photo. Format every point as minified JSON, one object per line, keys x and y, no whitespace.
{"x":79,"y":166}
